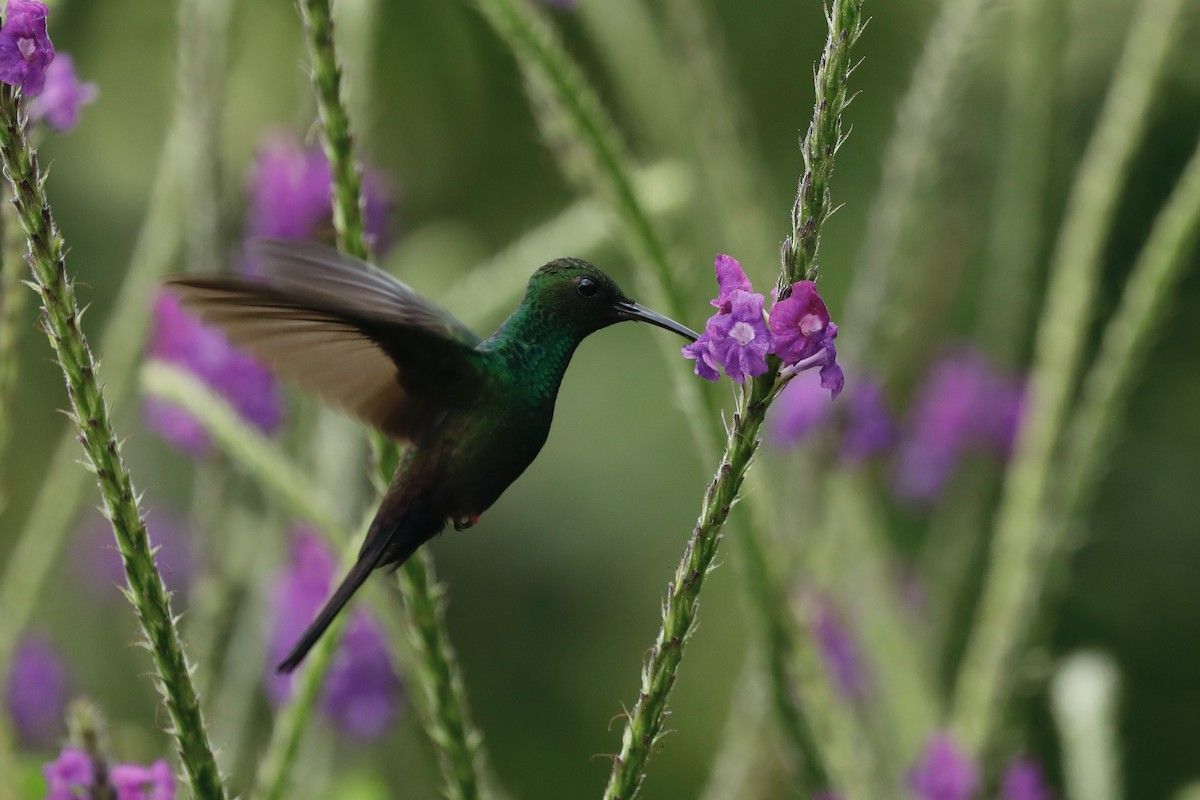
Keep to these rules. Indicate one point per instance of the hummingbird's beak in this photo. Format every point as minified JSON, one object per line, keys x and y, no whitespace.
{"x":637,"y":311}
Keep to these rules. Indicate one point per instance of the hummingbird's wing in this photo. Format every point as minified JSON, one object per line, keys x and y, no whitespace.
{"x":350,"y":333}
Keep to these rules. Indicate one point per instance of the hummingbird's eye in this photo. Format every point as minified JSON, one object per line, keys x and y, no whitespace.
{"x":587,"y":287}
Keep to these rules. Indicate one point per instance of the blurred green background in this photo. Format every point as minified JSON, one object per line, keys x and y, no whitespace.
{"x":555,"y":596}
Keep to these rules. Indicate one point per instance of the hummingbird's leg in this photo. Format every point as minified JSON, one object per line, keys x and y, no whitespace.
{"x":465,"y":521}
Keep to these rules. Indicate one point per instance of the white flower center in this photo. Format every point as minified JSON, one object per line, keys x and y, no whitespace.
{"x":27,"y":48}
{"x":742,"y":333}
{"x":810,"y":324}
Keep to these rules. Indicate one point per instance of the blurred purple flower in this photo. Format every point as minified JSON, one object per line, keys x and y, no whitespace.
{"x":135,"y":782}
{"x":95,"y":558}
{"x":73,"y":776}
{"x":870,"y":428}
{"x":63,"y":97}
{"x":36,"y":695}
{"x":800,"y":409}
{"x":71,"y":771}
{"x":1023,"y":780}
{"x":964,"y":403}
{"x":363,"y":692}
{"x":866,"y":426}
{"x":803,"y":334}
{"x":290,"y":196}
{"x":839,"y":651}
{"x":943,"y":772}
{"x":180,"y":339}
{"x":25,"y":47}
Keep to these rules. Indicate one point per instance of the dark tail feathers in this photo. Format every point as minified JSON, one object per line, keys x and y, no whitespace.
{"x":358,"y":574}
{"x":395,"y":535}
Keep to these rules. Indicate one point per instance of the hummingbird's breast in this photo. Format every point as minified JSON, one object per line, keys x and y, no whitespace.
{"x":493,"y":442}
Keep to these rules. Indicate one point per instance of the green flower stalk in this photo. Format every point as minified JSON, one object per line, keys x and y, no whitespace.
{"x":48,"y":524}
{"x":646,"y":719}
{"x":90,"y":415}
{"x":1144,"y":306}
{"x":821,"y":142}
{"x":1019,"y":555}
{"x":13,"y":296}
{"x":1017,"y":226}
{"x":200,"y":83}
{"x":275,"y":769}
{"x":335,"y":129}
{"x":908,"y":154}
{"x":448,"y":721}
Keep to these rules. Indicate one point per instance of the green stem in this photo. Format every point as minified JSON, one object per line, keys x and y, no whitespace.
{"x":448,"y":724}
{"x":54,"y":510}
{"x":1017,"y":222}
{"x":645,"y":721}
{"x":1085,"y":699}
{"x":275,"y":769}
{"x":89,"y":413}
{"x":203,"y":32}
{"x":459,"y":745}
{"x":1144,"y":305}
{"x":820,"y":143}
{"x":1018,"y":563}
{"x":238,"y":440}
{"x":908,"y":153}
{"x":335,"y":128}
{"x":13,"y":297}
{"x":718,"y":125}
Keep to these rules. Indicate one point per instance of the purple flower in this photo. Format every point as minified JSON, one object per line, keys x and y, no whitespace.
{"x":870,"y":429}
{"x":839,"y":651}
{"x":290,"y":195}
{"x":363,"y":691}
{"x":943,"y":772}
{"x":179,"y":338}
{"x":803,"y":334}
{"x":36,"y":694}
{"x":25,"y":48}
{"x":736,"y":337}
{"x":95,"y":558}
{"x":730,"y":278}
{"x":963,"y":404}
{"x":73,"y":776}
{"x":72,"y":771}
{"x":62,"y":98}
{"x":801,"y":408}
{"x":1023,"y":780}
{"x":135,"y":782}
{"x":737,"y":340}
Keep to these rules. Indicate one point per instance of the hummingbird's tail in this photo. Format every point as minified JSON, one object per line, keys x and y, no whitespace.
{"x":395,"y":534}
{"x":362,"y":568}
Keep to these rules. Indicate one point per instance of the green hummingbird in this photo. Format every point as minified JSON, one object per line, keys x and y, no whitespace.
{"x":476,"y":412}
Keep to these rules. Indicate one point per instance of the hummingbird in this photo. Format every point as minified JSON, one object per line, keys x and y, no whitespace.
{"x":474,"y":412}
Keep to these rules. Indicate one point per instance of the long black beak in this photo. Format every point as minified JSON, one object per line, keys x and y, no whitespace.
{"x":637,"y":311}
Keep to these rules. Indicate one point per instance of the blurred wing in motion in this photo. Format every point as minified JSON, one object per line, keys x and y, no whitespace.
{"x":344,"y":330}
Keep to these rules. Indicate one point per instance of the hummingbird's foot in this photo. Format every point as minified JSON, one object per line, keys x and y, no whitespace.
{"x":466,"y":521}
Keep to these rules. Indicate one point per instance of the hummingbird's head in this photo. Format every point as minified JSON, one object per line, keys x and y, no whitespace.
{"x":572,"y":292}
